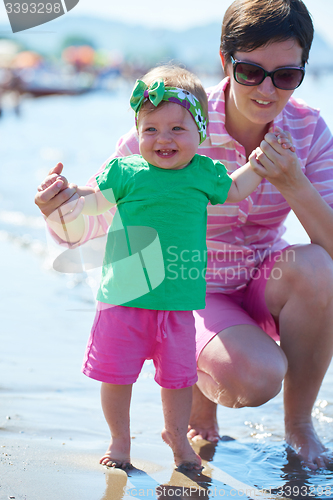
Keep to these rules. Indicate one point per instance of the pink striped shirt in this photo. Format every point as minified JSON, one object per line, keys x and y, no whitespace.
{"x":240,"y":235}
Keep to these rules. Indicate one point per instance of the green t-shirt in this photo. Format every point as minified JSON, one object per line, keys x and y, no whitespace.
{"x":156,"y":250}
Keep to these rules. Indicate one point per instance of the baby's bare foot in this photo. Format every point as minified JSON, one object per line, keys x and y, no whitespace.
{"x":184,"y":455}
{"x":117,"y":455}
{"x":108,"y":461}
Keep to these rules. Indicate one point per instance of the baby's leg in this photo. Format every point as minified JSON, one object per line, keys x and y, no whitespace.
{"x":116,"y":401}
{"x":177,"y":408}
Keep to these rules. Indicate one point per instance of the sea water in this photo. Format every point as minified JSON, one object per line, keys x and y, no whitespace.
{"x":82,"y":132}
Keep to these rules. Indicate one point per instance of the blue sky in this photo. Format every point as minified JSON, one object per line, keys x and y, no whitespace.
{"x":190,"y":12}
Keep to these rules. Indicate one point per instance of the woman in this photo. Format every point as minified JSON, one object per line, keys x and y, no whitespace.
{"x":259,"y":289}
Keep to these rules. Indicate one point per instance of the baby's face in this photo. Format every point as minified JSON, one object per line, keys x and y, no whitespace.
{"x":168,"y":136}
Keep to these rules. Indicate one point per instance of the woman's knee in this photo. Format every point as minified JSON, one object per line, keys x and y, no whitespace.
{"x":244,"y":368}
{"x":255,"y":384}
{"x":306,"y":271}
{"x":308,"y":264}
{"x":242,"y":388}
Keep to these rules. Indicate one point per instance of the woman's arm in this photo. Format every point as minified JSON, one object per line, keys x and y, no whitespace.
{"x":245,"y":179}
{"x":282,"y":169}
{"x":66,"y":220}
{"x":53,"y":198}
{"x":315,"y":215}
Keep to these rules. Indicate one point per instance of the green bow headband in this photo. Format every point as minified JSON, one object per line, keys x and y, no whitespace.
{"x":157,"y":92}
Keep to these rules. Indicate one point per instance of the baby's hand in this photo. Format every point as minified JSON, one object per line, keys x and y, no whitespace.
{"x":51,"y":179}
{"x":284,"y":138}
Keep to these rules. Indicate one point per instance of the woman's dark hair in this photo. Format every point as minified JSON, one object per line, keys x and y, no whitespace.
{"x":250,"y":24}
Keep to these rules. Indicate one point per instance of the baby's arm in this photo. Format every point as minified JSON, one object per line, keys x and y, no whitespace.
{"x":95,"y":202}
{"x":244,"y":181}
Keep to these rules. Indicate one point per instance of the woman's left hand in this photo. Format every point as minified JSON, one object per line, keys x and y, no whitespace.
{"x":276,"y":160}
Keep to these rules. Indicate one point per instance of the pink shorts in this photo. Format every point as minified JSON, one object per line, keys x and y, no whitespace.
{"x":244,"y":307}
{"x":122,"y":338}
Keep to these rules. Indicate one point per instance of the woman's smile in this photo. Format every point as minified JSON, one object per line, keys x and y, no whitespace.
{"x":262,"y":103}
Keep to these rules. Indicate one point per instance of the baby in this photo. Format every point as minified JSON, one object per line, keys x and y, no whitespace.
{"x":161,"y":197}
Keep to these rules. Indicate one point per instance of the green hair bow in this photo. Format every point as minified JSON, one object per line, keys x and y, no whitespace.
{"x":158,"y":92}
{"x":141,"y":92}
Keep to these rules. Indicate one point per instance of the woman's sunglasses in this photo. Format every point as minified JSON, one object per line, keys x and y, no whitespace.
{"x":288,"y":78}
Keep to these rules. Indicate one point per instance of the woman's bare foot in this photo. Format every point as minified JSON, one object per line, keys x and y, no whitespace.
{"x":117,"y":455}
{"x":203,"y":422}
{"x":184,"y":455}
{"x":304,"y":440}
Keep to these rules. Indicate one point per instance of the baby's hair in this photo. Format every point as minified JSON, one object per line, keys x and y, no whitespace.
{"x":176,"y":76}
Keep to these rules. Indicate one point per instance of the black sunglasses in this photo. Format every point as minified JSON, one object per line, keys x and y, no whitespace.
{"x":288,"y":78}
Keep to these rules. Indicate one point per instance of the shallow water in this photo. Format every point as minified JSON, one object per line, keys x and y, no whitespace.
{"x":53,"y":410}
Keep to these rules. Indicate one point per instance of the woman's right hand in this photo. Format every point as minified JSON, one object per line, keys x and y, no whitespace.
{"x":277,"y":161}
{"x":55,"y":191}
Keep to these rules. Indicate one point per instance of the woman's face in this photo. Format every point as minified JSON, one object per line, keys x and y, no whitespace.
{"x":262,"y":103}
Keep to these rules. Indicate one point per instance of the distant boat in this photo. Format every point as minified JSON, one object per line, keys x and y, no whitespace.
{"x":43,"y":82}
{"x":38,"y":91}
